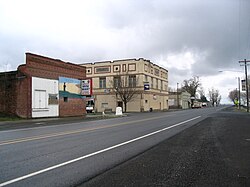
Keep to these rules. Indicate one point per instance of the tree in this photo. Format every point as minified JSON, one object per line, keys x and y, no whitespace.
{"x":203,"y":99}
{"x":201,"y":92}
{"x":191,"y":86}
{"x":214,"y":97}
{"x":125,"y":88}
{"x":233,"y":95}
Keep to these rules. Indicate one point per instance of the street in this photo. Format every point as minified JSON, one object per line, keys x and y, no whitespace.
{"x":107,"y":152}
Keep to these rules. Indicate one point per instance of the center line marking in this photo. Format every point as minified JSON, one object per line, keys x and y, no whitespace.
{"x":26,"y":139}
{"x":92,"y":154}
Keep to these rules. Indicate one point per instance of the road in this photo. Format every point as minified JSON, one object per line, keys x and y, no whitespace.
{"x":70,"y":154}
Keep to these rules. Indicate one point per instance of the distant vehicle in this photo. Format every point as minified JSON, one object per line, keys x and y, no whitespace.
{"x":90,"y":105}
{"x":204,"y":104}
{"x":197,"y":104}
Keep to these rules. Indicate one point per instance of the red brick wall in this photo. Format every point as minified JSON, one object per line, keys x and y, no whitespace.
{"x":8,"y":92}
{"x":18,"y":98}
{"x":24,"y":98}
{"x":74,"y":107}
{"x":44,"y":67}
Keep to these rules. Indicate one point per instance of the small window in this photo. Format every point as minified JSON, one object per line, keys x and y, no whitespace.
{"x":65,"y":99}
{"x":104,"y":105}
{"x":146,"y":101}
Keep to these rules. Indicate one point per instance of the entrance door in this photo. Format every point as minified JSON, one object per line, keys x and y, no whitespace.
{"x":119,"y":103}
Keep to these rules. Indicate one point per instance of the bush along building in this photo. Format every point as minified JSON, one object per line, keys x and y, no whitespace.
{"x":134,"y":84}
{"x":43,"y":87}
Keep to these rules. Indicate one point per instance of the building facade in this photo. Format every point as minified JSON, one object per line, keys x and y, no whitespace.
{"x":150,"y":81}
{"x":179,"y":100}
{"x":43,"y":87}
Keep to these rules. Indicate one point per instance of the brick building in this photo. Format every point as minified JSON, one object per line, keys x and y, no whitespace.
{"x":43,"y":87}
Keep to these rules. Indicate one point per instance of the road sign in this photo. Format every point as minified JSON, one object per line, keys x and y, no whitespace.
{"x":146,"y":86}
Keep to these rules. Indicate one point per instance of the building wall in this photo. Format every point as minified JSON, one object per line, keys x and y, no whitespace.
{"x":183,"y":99}
{"x":45,"y":97}
{"x":44,"y":68}
{"x":8,"y":92}
{"x":144,"y":70}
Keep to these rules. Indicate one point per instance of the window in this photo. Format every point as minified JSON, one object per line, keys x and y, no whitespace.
{"x":152,"y":82}
{"x":157,"y":84}
{"x":102,"y":69}
{"x":146,"y":78}
{"x":132,"y":81}
{"x":116,"y":68}
{"x":161,"y":85}
{"x":53,"y":99}
{"x":157,"y":72}
{"x":166,"y":87}
{"x":102,"y":82}
{"x":65,"y":99}
{"x":131,"y":67}
{"x":104,"y":105}
{"x":117,"y":82}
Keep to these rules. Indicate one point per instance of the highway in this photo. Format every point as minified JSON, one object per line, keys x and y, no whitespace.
{"x":69,"y":154}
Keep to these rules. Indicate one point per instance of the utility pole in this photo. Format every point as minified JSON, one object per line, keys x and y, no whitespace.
{"x":239,"y":91}
{"x":177,"y":95}
{"x":245,"y":64}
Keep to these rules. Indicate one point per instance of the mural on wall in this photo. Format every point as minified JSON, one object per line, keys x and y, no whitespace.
{"x":69,"y":88}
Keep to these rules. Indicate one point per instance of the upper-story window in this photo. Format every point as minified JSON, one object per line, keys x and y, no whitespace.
{"x":146,"y":78}
{"x":102,"y":69}
{"x":132,"y":81}
{"x":156,"y":84}
{"x":102,"y":82}
{"x":117,"y":82}
{"x":157,"y":72}
{"x":152,"y":82}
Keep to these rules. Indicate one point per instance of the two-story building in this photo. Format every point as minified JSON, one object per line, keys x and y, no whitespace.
{"x":149,"y":79}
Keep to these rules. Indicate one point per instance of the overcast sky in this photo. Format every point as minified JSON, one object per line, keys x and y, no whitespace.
{"x":187,"y":37}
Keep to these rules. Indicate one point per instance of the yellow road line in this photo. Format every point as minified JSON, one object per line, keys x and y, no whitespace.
{"x":26,"y":139}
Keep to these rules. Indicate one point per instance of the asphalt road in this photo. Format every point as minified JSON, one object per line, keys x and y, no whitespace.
{"x":214,"y":152}
{"x":72,"y":154}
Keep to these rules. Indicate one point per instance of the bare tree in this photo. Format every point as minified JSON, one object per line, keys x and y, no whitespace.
{"x":126,"y":88}
{"x":214,"y":97}
{"x":191,"y":85}
{"x":233,"y":95}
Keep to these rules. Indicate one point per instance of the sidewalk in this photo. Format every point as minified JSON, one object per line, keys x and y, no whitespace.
{"x":215,"y":152}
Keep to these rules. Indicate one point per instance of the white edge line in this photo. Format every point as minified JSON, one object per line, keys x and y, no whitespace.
{"x":92,"y":154}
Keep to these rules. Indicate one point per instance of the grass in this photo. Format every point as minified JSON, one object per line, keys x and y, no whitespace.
{"x":4,"y":117}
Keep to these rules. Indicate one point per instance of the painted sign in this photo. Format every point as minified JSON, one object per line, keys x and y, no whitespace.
{"x":243,"y":85}
{"x":86,"y":86}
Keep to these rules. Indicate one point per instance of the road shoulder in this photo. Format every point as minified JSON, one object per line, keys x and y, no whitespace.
{"x":215,"y":152}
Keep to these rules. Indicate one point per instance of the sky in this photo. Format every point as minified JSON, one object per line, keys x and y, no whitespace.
{"x":190,"y":38}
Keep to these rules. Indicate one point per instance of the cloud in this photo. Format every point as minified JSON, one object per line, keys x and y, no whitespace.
{"x":189,"y":38}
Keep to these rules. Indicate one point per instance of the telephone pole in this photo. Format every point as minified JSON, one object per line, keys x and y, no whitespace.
{"x":245,"y":64}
